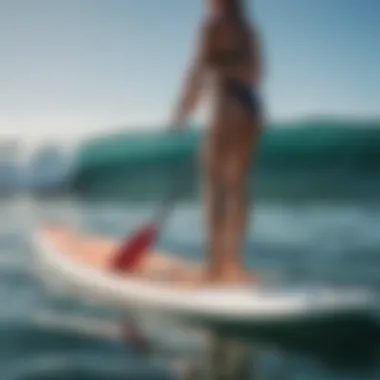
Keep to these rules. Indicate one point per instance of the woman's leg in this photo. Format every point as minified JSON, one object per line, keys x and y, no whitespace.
{"x":235,"y":224}
{"x":215,"y":216}
{"x":237,"y":170}
{"x":215,"y":206}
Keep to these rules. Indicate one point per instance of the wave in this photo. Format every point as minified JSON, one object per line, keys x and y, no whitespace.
{"x":324,"y":155}
{"x":307,"y":139}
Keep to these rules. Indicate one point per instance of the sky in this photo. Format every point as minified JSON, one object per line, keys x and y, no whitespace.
{"x":73,"y":68}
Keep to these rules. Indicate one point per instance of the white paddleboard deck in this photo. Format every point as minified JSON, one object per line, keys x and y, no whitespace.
{"x":246,"y":306}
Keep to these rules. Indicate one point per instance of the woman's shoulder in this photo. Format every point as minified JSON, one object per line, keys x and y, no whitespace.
{"x":211,"y":28}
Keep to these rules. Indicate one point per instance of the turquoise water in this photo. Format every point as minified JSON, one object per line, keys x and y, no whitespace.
{"x":45,"y":336}
{"x":317,"y":141}
{"x":327,"y":159}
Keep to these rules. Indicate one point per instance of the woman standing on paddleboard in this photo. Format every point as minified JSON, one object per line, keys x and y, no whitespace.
{"x":227,"y":58}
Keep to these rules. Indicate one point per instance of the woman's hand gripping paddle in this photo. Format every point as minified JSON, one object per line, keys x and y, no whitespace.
{"x":134,"y":249}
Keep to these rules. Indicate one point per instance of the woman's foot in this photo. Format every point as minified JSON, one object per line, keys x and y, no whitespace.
{"x":236,"y":276}
{"x":232,"y":276}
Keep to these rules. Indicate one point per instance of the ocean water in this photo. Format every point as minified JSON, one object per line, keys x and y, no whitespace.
{"x":47,"y":336}
{"x":312,"y":157}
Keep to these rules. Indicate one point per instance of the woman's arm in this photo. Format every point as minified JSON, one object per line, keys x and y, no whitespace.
{"x":194,"y":80}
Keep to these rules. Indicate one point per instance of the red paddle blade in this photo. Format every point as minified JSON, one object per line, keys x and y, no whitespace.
{"x":132,"y":251}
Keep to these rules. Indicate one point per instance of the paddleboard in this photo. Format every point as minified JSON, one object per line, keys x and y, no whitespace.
{"x":243,"y":308}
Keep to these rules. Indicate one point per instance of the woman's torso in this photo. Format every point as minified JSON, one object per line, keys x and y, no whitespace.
{"x":231,"y":61}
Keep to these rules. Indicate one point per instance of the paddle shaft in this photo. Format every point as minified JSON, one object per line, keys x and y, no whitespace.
{"x":134,"y":249}
{"x":171,"y":200}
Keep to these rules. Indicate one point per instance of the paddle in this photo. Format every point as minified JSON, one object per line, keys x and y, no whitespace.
{"x":133,"y":249}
